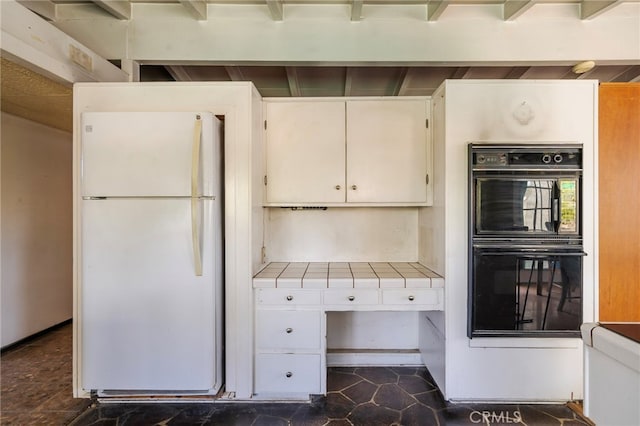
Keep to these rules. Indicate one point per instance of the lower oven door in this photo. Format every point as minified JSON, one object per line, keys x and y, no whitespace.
{"x":531,"y":292}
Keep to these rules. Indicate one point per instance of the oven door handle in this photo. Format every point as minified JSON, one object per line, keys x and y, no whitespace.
{"x":555,"y":213}
{"x":532,"y":254}
{"x":555,"y":207}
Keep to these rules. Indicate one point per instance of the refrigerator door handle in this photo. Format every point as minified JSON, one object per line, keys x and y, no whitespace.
{"x":195,"y":236}
{"x":195,"y":156}
{"x":195,"y":162}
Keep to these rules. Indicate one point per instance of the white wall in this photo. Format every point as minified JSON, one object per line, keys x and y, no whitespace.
{"x":36,"y":228}
{"x":343,"y":234}
{"x":482,"y":110}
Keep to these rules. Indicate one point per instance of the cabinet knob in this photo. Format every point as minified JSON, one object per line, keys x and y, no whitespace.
{"x":289,"y":330}
{"x":354,"y":187}
{"x":411,"y":298}
{"x":289,"y":374}
{"x":289,"y":298}
{"x":351,"y":298}
{"x":338,"y":187}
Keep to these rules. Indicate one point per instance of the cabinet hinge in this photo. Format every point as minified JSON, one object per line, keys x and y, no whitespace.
{"x":265,"y":124}
{"x":263,"y":254}
{"x":426,"y":122}
{"x":427,"y":179}
{"x":265,"y":180}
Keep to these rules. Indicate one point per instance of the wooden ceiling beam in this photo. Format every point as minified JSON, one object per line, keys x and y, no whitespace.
{"x":178,"y":73}
{"x":631,"y":74}
{"x":235,"y":74}
{"x":275,"y":9}
{"x":292,"y":78}
{"x":517,"y":73}
{"x":511,"y":9}
{"x":461,"y":73}
{"x":121,"y":9}
{"x":586,"y":75}
{"x":348,"y":81}
{"x":356,"y":10}
{"x":197,"y":8}
{"x":589,"y":9}
{"x":403,"y":82}
{"x":435,"y":9}
{"x":45,"y":8}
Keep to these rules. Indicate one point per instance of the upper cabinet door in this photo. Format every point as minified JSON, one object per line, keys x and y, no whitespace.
{"x":387,"y":151}
{"x":305,"y":152}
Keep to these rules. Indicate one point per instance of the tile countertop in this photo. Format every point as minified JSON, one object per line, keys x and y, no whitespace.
{"x":319,"y":275}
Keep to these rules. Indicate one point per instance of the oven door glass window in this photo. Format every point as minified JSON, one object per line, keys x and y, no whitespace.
{"x":515,"y":206}
{"x":526,"y":293}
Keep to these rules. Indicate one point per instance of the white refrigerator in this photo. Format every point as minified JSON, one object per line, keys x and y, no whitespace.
{"x":151,"y":276}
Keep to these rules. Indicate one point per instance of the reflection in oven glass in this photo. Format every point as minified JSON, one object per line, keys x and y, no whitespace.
{"x":512,"y":205}
{"x":522,"y":294}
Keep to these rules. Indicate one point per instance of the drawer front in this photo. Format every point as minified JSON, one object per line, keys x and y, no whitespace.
{"x":287,"y":297}
{"x":351,"y":297}
{"x":409,"y":297}
{"x":288,"y":329}
{"x":288,"y":373}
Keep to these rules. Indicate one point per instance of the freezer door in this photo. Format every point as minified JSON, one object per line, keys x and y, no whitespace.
{"x":149,"y":153}
{"x":148,"y":321}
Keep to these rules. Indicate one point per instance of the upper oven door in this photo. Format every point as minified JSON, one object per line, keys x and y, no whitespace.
{"x":525,"y":205}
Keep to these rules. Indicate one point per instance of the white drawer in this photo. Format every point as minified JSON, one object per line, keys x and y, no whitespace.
{"x":409,"y":297}
{"x":288,"y":373}
{"x":350,"y":297}
{"x":287,"y":297}
{"x":288,"y":330}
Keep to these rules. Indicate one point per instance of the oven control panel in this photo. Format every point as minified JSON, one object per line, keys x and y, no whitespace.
{"x":491,"y":159}
{"x":545,"y":157}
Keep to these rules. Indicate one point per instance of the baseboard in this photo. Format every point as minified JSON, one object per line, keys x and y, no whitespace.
{"x":372,"y":357}
{"x":35,"y":335}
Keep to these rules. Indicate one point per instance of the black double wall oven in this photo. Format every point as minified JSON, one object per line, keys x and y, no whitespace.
{"x":525,"y":240}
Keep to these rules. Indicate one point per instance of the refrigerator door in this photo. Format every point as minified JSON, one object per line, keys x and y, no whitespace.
{"x":133,"y":154}
{"x":148,"y":321}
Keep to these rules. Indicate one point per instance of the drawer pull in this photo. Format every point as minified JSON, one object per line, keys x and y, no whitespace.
{"x":354,"y":187}
{"x":289,"y":330}
{"x":351,"y":298}
{"x":338,"y":187}
{"x":289,"y":374}
{"x":289,"y":298}
{"x":411,"y":298}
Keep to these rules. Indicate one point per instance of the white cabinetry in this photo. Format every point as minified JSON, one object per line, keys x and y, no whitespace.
{"x":305,"y":152}
{"x":347,"y":152}
{"x":289,"y":349}
{"x":387,"y":151}
{"x":291,"y":325}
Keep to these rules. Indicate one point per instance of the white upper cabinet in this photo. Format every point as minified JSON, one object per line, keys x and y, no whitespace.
{"x":305,"y":152}
{"x":347,"y":152}
{"x":387,"y":151}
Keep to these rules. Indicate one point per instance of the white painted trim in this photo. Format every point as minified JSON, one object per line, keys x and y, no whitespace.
{"x":373,"y":358}
{"x":465,"y":34}
{"x":30,"y":41}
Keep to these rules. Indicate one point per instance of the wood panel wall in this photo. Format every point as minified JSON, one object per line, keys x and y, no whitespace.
{"x":619,"y":201}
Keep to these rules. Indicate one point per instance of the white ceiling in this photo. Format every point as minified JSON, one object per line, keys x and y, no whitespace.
{"x":309,"y":78}
{"x":384,"y":78}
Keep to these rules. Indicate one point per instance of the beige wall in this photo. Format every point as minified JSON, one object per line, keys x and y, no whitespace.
{"x":36,"y":231}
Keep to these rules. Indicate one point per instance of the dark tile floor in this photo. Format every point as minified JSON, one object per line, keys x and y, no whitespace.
{"x":36,"y":381}
{"x":36,"y":390}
